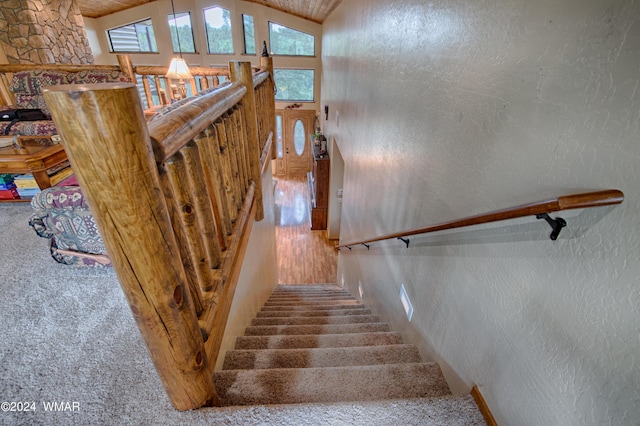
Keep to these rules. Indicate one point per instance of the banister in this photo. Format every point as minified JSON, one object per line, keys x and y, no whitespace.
{"x":539,"y":208}
{"x":170,"y":132}
{"x":183,"y":190}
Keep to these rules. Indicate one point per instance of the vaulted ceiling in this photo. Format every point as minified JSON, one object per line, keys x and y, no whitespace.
{"x":313,"y":10}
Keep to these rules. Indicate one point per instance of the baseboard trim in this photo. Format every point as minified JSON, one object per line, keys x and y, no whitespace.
{"x":483,"y":407}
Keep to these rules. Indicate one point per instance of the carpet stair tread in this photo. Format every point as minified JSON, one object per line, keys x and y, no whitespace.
{"x":344,"y":319}
{"x":315,"y":302}
{"x":318,"y":341}
{"x":292,"y":295}
{"x":328,"y":307}
{"x":330,"y":384}
{"x":306,"y":287}
{"x":264,"y":330}
{"x":318,"y":344}
{"x":313,"y":313}
{"x":320,"y":357}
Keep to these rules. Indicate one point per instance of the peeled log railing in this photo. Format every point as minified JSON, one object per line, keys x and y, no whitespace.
{"x":174,"y":203}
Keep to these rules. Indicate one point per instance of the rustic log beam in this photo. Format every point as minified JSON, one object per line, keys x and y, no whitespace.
{"x":109,"y":148}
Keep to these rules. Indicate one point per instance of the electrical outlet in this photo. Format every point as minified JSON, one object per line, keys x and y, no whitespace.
{"x":406,"y":302}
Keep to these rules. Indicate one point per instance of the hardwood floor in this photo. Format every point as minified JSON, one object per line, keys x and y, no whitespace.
{"x":304,"y":256}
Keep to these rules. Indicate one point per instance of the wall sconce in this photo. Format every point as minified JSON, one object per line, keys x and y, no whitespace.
{"x":326,"y":112}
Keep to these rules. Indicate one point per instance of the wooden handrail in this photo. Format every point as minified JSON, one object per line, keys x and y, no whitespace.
{"x":170,"y":132}
{"x":565,"y":202}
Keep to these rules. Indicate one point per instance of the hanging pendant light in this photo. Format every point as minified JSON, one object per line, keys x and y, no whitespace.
{"x":178,"y":68}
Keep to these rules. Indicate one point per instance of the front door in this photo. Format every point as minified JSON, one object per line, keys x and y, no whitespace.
{"x":295,"y":156}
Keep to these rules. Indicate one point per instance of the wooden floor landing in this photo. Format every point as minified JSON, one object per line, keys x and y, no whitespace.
{"x":304,"y":256}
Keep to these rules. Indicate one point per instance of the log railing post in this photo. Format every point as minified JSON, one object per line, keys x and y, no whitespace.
{"x":241,"y":72}
{"x":266,"y":64}
{"x":105,"y":135}
{"x":126,"y":66}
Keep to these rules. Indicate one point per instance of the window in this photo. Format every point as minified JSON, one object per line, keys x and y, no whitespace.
{"x":294,"y":85}
{"x":249,"y":37}
{"x":218,"y":24}
{"x":279,"y":146}
{"x":136,"y":37}
{"x":287,"y":41}
{"x":182,"y":32}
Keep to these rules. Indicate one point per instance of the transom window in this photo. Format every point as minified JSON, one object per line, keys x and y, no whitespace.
{"x":287,"y":41}
{"x":294,"y":85}
{"x":182,"y":32}
{"x":218,"y":25}
{"x":136,"y":37}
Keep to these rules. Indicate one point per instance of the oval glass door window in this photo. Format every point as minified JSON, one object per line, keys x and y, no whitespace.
{"x":298,"y":137}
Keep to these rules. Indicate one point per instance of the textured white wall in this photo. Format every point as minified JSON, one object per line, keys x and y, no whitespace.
{"x":450,"y":108}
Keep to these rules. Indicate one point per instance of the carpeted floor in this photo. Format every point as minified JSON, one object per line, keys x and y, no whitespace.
{"x":67,"y":335}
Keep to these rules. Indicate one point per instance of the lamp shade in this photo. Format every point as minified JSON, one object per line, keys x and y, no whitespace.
{"x":178,"y":69}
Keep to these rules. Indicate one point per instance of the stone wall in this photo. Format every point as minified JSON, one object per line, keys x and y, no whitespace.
{"x":43,"y":32}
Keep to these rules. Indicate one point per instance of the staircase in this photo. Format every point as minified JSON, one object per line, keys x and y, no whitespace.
{"x":317,"y":344}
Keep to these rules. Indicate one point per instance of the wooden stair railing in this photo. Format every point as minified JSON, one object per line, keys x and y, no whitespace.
{"x":203,"y":78}
{"x":540,"y":209}
{"x":174,"y":203}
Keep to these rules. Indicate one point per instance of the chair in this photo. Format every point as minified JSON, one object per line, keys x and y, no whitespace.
{"x":61,"y":214}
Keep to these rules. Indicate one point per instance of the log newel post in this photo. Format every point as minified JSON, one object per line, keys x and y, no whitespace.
{"x":126,"y":66}
{"x":105,"y":135}
{"x":241,"y":72}
{"x":266,"y":64}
